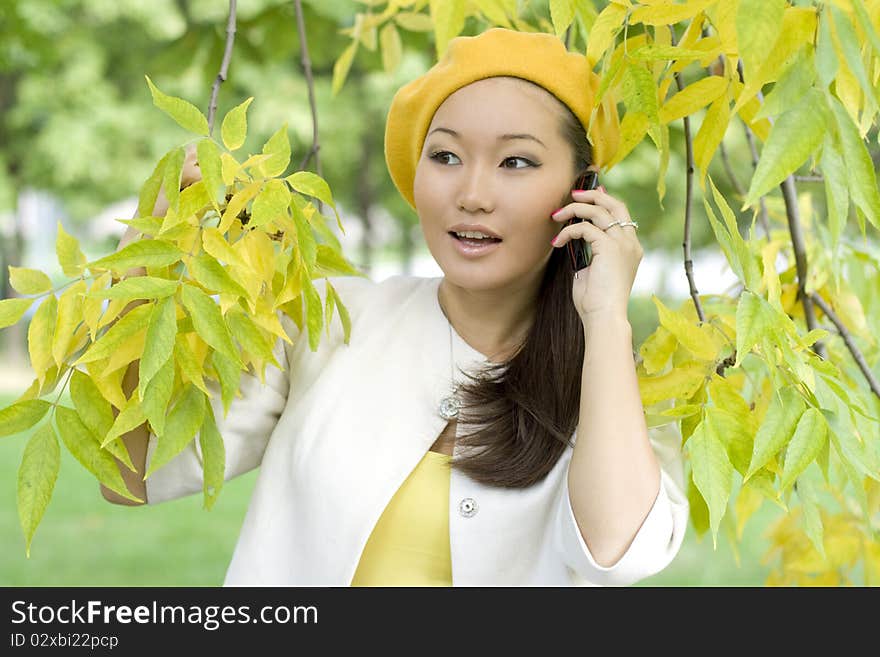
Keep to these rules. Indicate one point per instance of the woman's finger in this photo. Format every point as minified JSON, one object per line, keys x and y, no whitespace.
{"x":582,"y":230}
{"x":598,"y":215}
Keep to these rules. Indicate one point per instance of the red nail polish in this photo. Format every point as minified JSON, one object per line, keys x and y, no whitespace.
{"x":578,"y":190}
{"x":555,"y":212}
{"x":602,"y":189}
{"x":553,"y":241}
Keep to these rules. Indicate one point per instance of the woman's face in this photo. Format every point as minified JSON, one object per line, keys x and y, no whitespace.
{"x":484,"y":175}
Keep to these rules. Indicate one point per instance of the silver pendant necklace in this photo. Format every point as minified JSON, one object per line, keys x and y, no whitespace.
{"x":450,"y":405}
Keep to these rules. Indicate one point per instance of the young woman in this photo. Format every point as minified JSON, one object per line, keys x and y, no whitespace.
{"x":483,"y":428}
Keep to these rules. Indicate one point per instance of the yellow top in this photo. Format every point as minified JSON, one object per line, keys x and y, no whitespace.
{"x":409,"y":546}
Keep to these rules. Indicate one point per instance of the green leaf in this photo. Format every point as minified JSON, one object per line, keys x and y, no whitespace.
{"x":96,"y":413}
{"x":779,"y":424}
{"x":12,"y":310}
{"x":867,"y":27}
{"x":278,"y":147}
{"x":185,"y":113}
{"x":330,"y":262}
{"x":138,"y":287}
{"x":850,"y":44}
{"x":229,"y":376}
{"x":809,"y":437}
{"x":314,"y":313}
{"x":250,"y":336}
{"x":130,"y":324}
{"x":213,"y":458}
{"x":311,"y":184}
{"x":209,"y":273}
{"x":733,"y":434}
{"x":270,"y":203}
{"x":826,"y":57}
{"x":141,"y":253}
{"x":859,"y":167}
{"x":836,"y":191}
{"x":561,"y":15}
{"x":183,"y":422}
{"x":208,"y":321}
{"x":22,"y":415}
{"x":36,"y":479}
{"x":712,"y":472}
{"x":308,"y":247}
{"x":752,"y":323}
{"x":86,"y":448}
{"x":211,"y":169}
{"x":29,"y":281}
{"x":171,"y":179}
{"x":809,"y":498}
{"x":70,"y":257}
{"x":130,"y":417}
{"x":159,"y":343}
{"x":156,"y":396}
{"x":149,"y":191}
{"x":790,"y":88}
{"x":233,"y":130}
{"x":795,"y":135}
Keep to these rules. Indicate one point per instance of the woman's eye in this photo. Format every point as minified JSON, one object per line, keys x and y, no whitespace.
{"x":440,"y":155}
{"x":529,"y":163}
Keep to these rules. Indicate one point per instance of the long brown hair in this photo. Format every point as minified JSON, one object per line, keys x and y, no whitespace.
{"x":526,"y":408}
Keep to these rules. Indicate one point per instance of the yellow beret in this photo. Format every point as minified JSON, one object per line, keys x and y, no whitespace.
{"x":539,"y":57}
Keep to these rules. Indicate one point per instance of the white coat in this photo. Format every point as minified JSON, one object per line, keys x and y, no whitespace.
{"x":337,"y":433}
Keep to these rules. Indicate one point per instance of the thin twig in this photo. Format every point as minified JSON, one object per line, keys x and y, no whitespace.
{"x":816,"y":179}
{"x":765,"y":220}
{"x":689,"y":192}
{"x":847,"y":339}
{"x":224,"y":66}
{"x":307,"y":69}
{"x":789,"y":195}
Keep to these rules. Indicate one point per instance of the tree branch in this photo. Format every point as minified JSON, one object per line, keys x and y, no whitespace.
{"x":689,"y":192}
{"x":224,"y":66}
{"x":307,"y":69}
{"x":789,"y":194}
{"x":730,"y":173}
{"x":847,"y":339}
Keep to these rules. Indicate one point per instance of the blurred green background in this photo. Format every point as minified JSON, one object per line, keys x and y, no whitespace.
{"x":79,"y":135}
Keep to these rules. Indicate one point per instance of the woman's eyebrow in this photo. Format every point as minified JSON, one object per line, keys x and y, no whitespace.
{"x":504,"y":137}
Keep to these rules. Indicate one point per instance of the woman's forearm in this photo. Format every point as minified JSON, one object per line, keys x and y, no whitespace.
{"x":614,"y":476}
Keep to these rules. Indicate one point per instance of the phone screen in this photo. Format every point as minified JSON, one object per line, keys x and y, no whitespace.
{"x":579,"y":250}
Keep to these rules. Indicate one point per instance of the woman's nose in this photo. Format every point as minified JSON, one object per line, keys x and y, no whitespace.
{"x":475,"y":190}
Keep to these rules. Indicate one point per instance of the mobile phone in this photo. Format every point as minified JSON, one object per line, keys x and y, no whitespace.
{"x":579,"y":250}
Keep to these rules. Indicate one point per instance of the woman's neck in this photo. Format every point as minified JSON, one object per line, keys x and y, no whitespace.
{"x":494,"y":322}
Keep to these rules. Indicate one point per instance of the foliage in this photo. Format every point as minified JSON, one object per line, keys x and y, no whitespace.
{"x":768,"y":389}
{"x":234,"y":252}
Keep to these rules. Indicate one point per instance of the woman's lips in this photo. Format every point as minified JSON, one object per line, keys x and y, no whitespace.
{"x":474,"y":248}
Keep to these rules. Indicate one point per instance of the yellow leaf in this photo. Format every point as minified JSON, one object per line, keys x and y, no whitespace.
{"x":657,"y":349}
{"x":69,"y":316}
{"x":131,"y":349}
{"x":36,"y":479}
{"x":341,"y":67}
{"x":215,"y":244}
{"x":608,"y":23}
{"x":234,"y":127}
{"x":711,"y":133}
{"x":259,"y":251}
{"x":667,"y":13}
{"x":632,"y":131}
{"x":70,"y":257}
{"x":392,"y":49}
{"x":41,"y":333}
{"x":693,"y":97}
{"x":110,"y":385}
{"x":680,"y":382}
{"x":686,"y":332}
{"x":29,"y":281}
{"x":237,"y":203}
{"x":229,"y":168}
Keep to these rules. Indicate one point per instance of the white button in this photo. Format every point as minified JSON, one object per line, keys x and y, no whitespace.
{"x":467,"y":507}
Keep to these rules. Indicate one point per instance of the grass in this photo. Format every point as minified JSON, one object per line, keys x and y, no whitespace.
{"x":84,"y":540}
